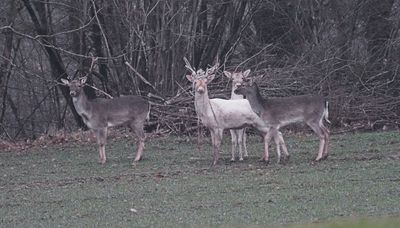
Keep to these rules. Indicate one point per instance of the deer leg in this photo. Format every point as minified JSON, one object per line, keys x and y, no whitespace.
{"x":283,"y":144}
{"x":217,"y":143}
{"x":278,"y":148}
{"x":267,"y":138}
{"x":239,"y":134}
{"x":234,"y":138}
{"x":246,"y":154}
{"x":137,"y":128}
{"x":101,"y":136}
{"x":326,"y":135}
{"x":317,"y":129}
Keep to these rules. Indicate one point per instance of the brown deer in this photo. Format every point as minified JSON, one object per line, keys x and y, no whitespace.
{"x":100,"y":114}
{"x":219,"y":114}
{"x":279,"y":112}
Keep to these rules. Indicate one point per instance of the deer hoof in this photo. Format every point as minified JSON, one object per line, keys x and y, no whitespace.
{"x":102,"y":161}
{"x":241,"y":159}
{"x":215,"y":162}
{"x":266,"y":162}
{"x":319,"y":159}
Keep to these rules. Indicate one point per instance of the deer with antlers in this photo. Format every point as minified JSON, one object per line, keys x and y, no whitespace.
{"x":219,"y":114}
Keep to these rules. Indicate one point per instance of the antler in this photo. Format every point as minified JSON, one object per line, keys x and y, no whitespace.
{"x":188,"y":66}
{"x":213,"y":68}
{"x":94,"y":60}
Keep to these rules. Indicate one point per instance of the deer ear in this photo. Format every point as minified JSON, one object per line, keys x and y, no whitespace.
{"x":228,"y":74}
{"x":210,"y":77}
{"x":190,"y":77}
{"x":246,"y":73}
{"x":65,"y":81}
{"x":83,"y":80}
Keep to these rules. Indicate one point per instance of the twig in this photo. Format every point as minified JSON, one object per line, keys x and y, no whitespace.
{"x":140,"y":76}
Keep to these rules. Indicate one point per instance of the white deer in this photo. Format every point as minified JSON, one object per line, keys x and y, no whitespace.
{"x":99,"y":114}
{"x":238,"y":135}
{"x":219,"y":114}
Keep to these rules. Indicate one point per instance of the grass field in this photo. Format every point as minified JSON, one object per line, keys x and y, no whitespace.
{"x":359,"y":184}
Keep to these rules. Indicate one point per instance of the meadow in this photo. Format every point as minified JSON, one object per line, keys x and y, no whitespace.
{"x":175,"y":184}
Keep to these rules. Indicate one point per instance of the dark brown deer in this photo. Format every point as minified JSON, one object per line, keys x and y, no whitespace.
{"x":279,"y":112}
{"x":100,"y":114}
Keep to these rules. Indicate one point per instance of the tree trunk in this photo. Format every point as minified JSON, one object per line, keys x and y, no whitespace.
{"x":57,"y":66}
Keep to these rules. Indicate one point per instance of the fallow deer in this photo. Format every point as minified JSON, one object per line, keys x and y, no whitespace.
{"x":219,"y":114}
{"x":279,"y":112}
{"x":100,"y":114}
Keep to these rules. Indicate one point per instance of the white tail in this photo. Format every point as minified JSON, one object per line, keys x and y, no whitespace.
{"x":220,"y":114}
{"x":279,"y":112}
{"x":99,"y":114}
{"x":238,"y":136}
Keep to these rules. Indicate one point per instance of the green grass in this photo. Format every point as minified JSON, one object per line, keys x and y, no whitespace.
{"x":175,"y":185}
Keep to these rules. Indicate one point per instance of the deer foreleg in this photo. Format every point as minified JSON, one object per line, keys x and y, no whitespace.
{"x":267,"y":138}
{"x":234,"y":138}
{"x":101,"y":136}
{"x":246,"y":154}
{"x":240,"y":143}
{"x":216,"y":144}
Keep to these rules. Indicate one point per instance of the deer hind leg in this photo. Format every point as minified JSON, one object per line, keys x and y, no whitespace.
{"x":234,"y":138}
{"x":283,"y":144}
{"x":280,"y":142}
{"x":316,"y":127}
{"x":137,"y":128}
{"x":278,"y":147}
{"x":326,"y":135}
{"x":101,"y":136}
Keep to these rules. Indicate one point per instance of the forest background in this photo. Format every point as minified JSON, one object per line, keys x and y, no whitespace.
{"x":346,"y":50}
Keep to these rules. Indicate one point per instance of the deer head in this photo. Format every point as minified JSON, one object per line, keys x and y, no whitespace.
{"x":75,"y":86}
{"x":238,"y":78}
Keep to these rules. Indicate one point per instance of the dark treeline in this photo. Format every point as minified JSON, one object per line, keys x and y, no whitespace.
{"x":347,"y":50}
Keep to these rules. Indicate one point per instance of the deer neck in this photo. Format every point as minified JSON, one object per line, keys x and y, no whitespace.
{"x":235,"y":96}
{"x":81,"y":103}
{"x":256,"y":103}
{"x":202,"y":104}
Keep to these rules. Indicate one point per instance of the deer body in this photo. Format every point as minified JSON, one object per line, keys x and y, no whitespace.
{"x":279,"y":112}
{"x":220,"y":114}
{"x":100,"y":114}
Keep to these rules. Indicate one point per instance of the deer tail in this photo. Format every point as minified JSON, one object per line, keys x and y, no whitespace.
{"x":148,"y":113}
{"x":326,"y":112}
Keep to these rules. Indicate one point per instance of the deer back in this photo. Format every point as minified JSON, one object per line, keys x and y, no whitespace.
{"x":293,"y":109}
{"x":229,"y":114}
{"x":117,"y":111}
